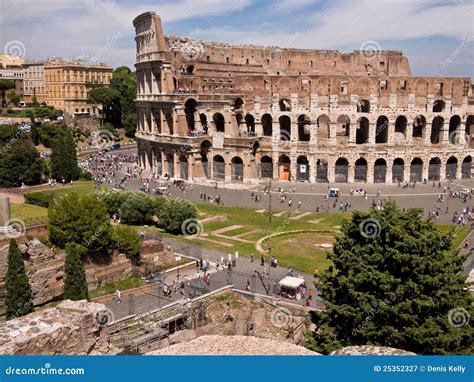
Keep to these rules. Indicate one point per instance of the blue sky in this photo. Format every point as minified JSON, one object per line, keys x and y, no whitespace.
{"x":436,"y":36}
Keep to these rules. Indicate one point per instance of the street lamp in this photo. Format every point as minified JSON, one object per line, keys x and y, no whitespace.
{"x":178,"y":259}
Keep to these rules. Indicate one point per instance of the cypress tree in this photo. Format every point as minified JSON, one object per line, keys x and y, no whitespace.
{"x":18,"y":300}
{"x":64,"y":158}
{"x":75,"y":282}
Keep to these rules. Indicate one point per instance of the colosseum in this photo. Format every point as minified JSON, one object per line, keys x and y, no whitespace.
{"x":245,"y":113}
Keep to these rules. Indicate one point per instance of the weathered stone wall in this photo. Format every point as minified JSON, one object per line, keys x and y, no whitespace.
{"x":71,"y":328}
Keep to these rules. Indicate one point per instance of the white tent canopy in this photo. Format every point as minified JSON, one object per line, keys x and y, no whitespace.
{"x":291,"y":282}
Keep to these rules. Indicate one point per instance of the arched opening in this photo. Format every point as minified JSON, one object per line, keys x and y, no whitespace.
{"x":416,"y":170}
{"x":343,"y":128}
{"x":250,"y":122}
{"x":255,"y":148}
{"x":304,"y":125}
{"x":237,"y":169}
{"x":323,"y":128}
{"x":170,"y":164}
{"x":454,"y":133}
{"x":434,"y":169}
{"x":381,"y":131}
{"x":190,"y":108}
{"x":203,"y":119}
{"x":302,"y":172}
{"x":401,"y":128}
{"x":360,"y":170}
{"x":398,"y":170}
{"x":451,"y":168}
{"x":380,"y":171}
{"x":238,"y":103}
{"x":321,"y":170}
{"x":285,"y":129}
{"x":267,"y":125}
{"x":439,"y":106}
{"x":341,"y":170}
{"x":363,"y":106}
{"x":466,"y":168}
{"x":205,"y":147}
{"x":419,"y":125}
{"x":362,"y":132}
{"x":218,"y":168}
{"x":169,"y":122}
{"x":266,"y":166}
{"x":436,"y":129}
{"x":183,"y":167}
{"x":219,"y":122}
{"x":470,"y":130}
{"x":285,"y":105}
{"x":284,"y":164}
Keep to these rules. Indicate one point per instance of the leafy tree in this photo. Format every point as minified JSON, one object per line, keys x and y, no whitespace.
{"x":5,"y":85}
{"x":130,"y":125}
{"x":109,"y":99}
{"x":19,"y":162}
{"x":127,"y":241}
{"x":64,"y":158}
{"x":18,"y":299}
{"x":75,"y":282}
{"x":136,"y":209}
{"x":82,"y":220}
{"x":113,"y":200}
{"x":14,"y":98}
{"x":49,"y":133}
{"x":175,"y":213}
{"x":34,"y":133}
{"x":395,"y":282}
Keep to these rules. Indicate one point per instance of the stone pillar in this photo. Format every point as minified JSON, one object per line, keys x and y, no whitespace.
{"x":275,"y":165}
{"x":370,"y":171}
{"x":293,"y":167}
{"x":352,"y":133}
{"x":445,"y":134}
{"x":372,"y":132}
{"x":428,"y":134}
{"x":5,"y":226}
{"x":350,"y":173}
{"x":332,"y":172}
{"x":312,"y":168}
{"x":442,"y":171}
{"x":391,"y":132}
{"x":459,"y":170}
{"x":228,"y":171}
{"x":424,"y":174}
{"x":388,"y":174}
{"x":409,"y":138}
{"x":258,"y":129}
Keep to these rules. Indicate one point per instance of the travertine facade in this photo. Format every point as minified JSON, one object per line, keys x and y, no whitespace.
{"x":245,"y":113}
{"x":34,"y":86}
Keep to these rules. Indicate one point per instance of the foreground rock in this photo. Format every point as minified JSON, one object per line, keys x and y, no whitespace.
{"x":233,"y":345}
{"x":370,"y":350}
{"x":71,"y":328}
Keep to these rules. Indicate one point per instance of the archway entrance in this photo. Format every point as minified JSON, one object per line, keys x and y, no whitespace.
{"x":451,"y":168}
{"x":434,"y":169}
{"x":360,"y":174}
{"x":218,"y":168}
{"x":302,"y":172}
{"x":183,"y":167}
{"x":266,"y":167}
{"x":237,"y":169}
{"x":466,"y":168}
{"x":416,"y":170}
{"x":380,"y":171}
{"x":284,"y":164}
{"x":341,"y":170}
{"x":398,"y":170}
{"x":321,"y":171}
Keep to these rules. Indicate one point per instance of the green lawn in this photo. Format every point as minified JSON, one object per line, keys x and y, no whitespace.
{"x":28,"y":213}
{"x":132,"y":282}
{"x":81,"y":187}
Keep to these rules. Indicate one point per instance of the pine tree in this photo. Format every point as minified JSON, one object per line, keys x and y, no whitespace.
{"x":75,"y":282}
{"x":64,"y":158}
{"x":395,"y":281}
{"x":18,"y":300}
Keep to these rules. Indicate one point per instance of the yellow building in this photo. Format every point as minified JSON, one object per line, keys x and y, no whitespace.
{"x":67,"y":85}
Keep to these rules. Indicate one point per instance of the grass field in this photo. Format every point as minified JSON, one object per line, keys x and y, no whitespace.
{"x":29,"y":214}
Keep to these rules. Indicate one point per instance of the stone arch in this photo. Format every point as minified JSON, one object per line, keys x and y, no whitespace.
{"x":267,"y":125}
{"x":218,"y":167}
{"x":238,"y":103}
{"x":341,"y":170}
{"x":438,"y":106}
{"x":398,"y":170}
{"x":434,"y":169}
{"x":380,"y":170}
{"x":219,"y":122}
{"x":304,"y":126}
{"x":323,"y":127}
{"x":302,"y":168}
{"x":470,"y":130}
{"x":454,"y":125}
{"x":436,"y":130}
{"x":237,"y":169}
{"x":363,"y":106}
{"x":343,"y":127}
{"x":190,"y":109}
{"x":266,"y":167}
{"x":360,"y":170}
{"x":416,"y":170}
{"x":285,"y":104}
{"x":362,"y":132}
{"x":285,"y":128}
{"x":401,"y":128}
{"x":205,"y":148}
{"x":451,"y":167}
{"x":419,"y":124}
{"x":250,"y":122}
{"x":466,"y":167}
{"x":284,"y":166}
{"x":381,"y":130}
{"x":322,"y":170}
{"x":183,"y":167}
{"x":170,"y":164}
{"x":203,"y":120}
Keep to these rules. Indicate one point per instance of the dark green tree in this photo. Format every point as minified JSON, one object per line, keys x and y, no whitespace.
{"x":136,"y":209}
{"x":34,"y":133}
{"x":20,"y":162}
{"x":64,"y":158}
{"x":175,"y":213}
{"x":18,"y":299}
{"x":14,"y":98}
{"x":395,"y":281}
{"x":5,"y":85}
{"x":75,"y":282}
{"x":127,"y":241}
{"x":130,"y":125}
{"x":82,"y":220}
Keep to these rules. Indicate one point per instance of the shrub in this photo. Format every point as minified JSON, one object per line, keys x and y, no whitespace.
{"x":175,"y":213}
{"x":42,"y":199}
{"x":127,"y":241}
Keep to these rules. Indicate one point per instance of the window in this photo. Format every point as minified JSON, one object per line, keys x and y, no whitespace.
{"x":382,"y":64}
{"x":439,"y":88}
{"x":311,"y":64}
{"x":227,"y":60}
{"x":268,"y":61}
{"x":403,"y":84}
{"x":289,"y":62}
{"x":383,"y":84}
{"x":247,"y":61}
{"x":333,"y":64}
{"x":208,"y":58}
